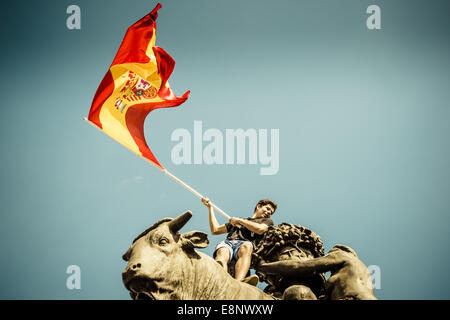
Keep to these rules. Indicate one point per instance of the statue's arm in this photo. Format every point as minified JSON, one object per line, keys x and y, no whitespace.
{"x":297,"y":267}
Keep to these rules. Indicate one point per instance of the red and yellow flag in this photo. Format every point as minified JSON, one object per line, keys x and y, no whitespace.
{"x":135,"y":84}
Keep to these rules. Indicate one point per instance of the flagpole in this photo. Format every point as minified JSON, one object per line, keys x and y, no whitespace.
{"x":185,"y":185}
{"x":193,"y":191}
{"x":171,"y":176}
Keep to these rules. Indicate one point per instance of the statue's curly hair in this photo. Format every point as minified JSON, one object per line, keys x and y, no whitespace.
{"x":287,"y":234}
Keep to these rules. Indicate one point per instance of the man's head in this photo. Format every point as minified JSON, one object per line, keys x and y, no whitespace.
{"x":265,"y":208}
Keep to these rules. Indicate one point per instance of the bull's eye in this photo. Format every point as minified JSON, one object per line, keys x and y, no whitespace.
{"x":163,"y":241}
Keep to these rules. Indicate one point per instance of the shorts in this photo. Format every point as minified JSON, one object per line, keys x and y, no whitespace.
{"x":233,"y":247}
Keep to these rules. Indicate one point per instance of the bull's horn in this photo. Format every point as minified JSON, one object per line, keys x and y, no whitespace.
{"x":176,"y":224}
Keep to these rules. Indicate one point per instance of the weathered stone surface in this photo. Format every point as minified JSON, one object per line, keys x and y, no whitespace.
{"x":163,"y":264}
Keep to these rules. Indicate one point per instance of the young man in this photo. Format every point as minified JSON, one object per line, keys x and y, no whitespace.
{"x":241,"y":238}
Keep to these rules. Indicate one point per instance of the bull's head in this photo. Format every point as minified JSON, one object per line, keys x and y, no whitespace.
{"x":158,"y":256}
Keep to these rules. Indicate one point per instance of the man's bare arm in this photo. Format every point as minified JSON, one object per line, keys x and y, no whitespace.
{"x":258,"y":228}
{"x":214,"y":225}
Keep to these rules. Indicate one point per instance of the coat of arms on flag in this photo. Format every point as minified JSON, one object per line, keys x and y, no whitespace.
{"x":135,"y":84}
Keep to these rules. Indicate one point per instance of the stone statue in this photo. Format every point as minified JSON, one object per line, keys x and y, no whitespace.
{"x":289,"y":242}
{"x":350,"y":279}
{"x":164,"y":265}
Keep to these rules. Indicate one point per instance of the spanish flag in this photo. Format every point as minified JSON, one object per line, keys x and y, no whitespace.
{"x":135,"y":84}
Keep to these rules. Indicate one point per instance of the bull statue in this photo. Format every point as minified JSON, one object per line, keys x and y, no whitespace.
{"x":164,"y":265}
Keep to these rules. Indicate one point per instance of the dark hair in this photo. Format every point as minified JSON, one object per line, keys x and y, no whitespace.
{"x":263,"y":202}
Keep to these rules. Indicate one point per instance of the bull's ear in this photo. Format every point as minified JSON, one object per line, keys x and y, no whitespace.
{"x":195,"y":239}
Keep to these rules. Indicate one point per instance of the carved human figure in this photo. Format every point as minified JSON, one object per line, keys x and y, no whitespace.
{"x":287,"y":242}
{"x":297,"y":288}
{"x":350,"y":279}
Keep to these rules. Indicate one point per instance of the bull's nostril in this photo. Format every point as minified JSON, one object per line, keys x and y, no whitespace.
{"x":138,"y":265}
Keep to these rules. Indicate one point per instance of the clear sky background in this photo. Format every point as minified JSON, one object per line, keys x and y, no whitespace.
{"x":364,"y":122}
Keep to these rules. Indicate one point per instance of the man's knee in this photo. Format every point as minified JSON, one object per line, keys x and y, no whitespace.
{"x":245,"y":249}
{"x":223,"y":254}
